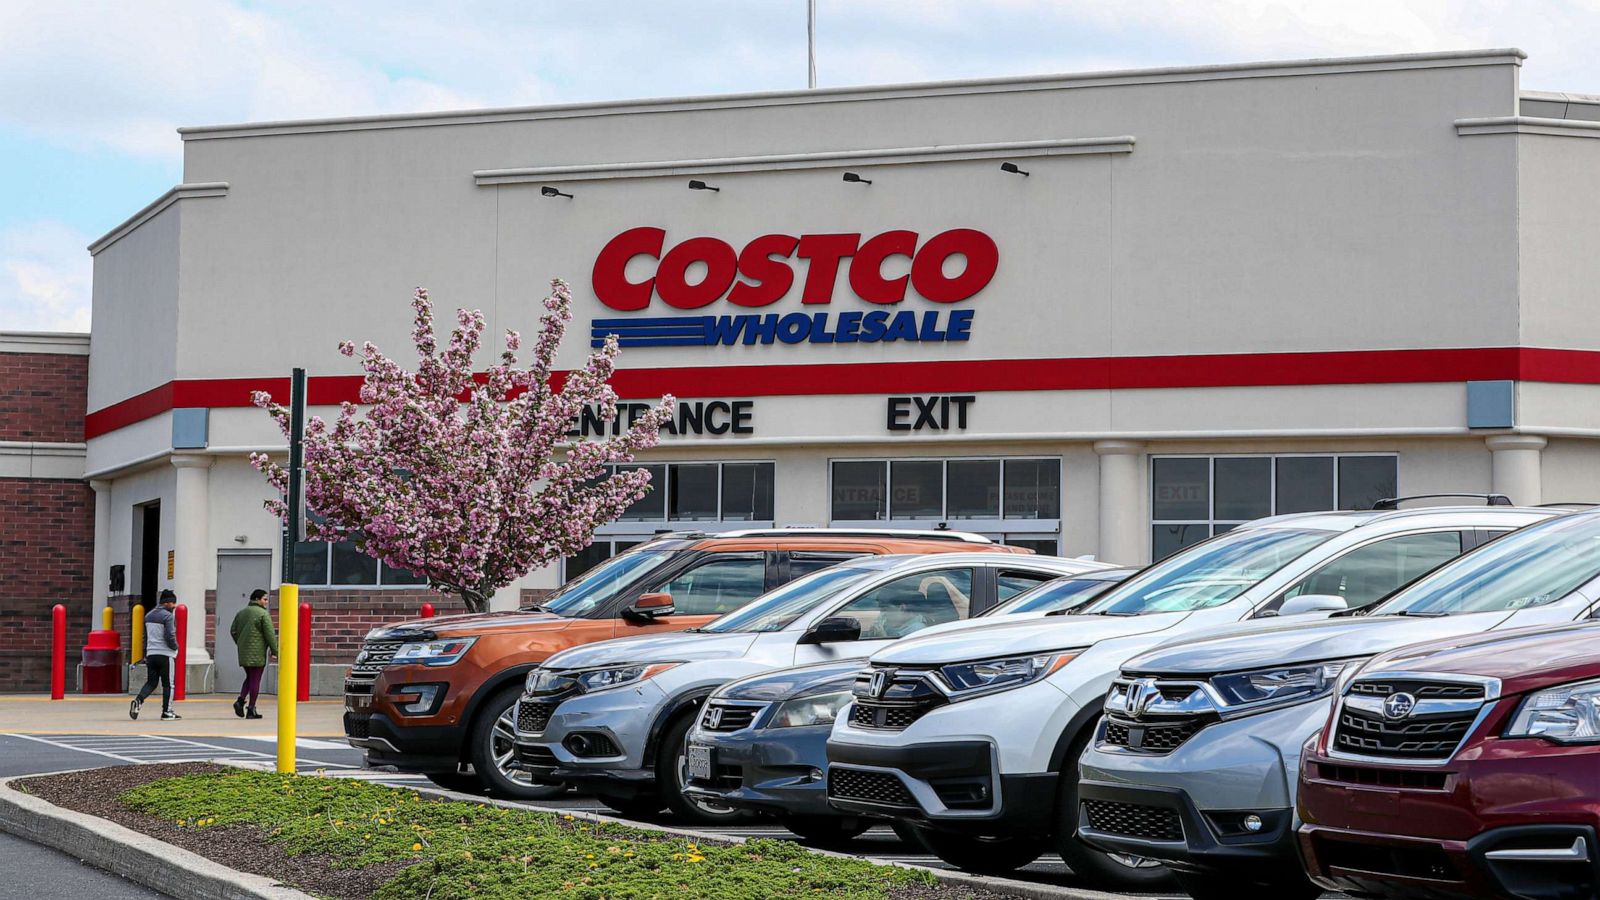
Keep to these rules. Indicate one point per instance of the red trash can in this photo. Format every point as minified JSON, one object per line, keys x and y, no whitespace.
{"x":102,"y":663}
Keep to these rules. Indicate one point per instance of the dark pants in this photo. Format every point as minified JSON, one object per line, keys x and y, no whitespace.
{"x":158,"y":670}
{"x":252,"y":685}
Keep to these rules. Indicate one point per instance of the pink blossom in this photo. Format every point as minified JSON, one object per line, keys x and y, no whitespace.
{"x":469,"y":483}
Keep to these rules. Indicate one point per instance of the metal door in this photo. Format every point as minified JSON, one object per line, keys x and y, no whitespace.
{"x":238,"y":573}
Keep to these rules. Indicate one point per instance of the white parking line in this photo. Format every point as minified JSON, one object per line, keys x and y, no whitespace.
{"x":144,"y":749}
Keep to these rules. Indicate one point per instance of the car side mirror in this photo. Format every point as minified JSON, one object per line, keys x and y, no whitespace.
{"x":834,"y":630}
{"x":1308,"y":604}
{"x":650,"y":607}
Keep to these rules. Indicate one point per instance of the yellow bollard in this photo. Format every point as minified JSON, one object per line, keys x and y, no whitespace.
{"x":288,"y":668}
{"x":136,"y":635}
{"x":105,"y":618}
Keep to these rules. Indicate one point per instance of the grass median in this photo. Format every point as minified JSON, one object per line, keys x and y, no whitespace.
{"x":449,"y":850}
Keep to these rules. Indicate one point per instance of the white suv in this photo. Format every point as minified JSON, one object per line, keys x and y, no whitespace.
{"x":973,"y":736}
{"x":612,"y":716}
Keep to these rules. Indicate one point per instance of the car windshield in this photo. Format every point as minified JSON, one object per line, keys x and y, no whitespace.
{"x":1052,"y":596}
{"x":1208,"y":574}
{"x":774,"y":610}
{"x":1534,"y":566}
{"x":583,"y":594}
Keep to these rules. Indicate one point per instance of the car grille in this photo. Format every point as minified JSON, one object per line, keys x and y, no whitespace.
{"x":728,"y":716}
{"x":357,"y":726}
{"x":534,"y":715}
{"x":1419,"y":689}
{"x":1396,"y":778}
{"x":1408,"y":861}
{"x":1152,"y":823}
{"x":723,"y":778}
{"x":536,"y":757}
{"x":1420,"y":734}
{"x":906,"y":699}
{"x":1154,"y":735}
{"x":374,"y":656}
{"x":881,"y":788}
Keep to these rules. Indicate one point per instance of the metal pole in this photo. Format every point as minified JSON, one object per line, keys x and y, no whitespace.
{"x":296,"y":524}
{"x":811,"y":43}
{"x":288,"y":668}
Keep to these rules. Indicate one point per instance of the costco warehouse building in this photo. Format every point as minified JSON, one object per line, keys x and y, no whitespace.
{"x":1110,"y":313}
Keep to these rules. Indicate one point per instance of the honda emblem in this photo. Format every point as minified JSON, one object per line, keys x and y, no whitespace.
{"x":879,"y":684}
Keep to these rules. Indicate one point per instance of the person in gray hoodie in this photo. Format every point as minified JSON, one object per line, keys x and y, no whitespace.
{"x":160,"y":652}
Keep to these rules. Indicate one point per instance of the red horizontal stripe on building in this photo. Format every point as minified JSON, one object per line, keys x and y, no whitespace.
{"x":952,"y":376}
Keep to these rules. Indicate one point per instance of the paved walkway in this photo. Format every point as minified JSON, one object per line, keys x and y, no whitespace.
{"x":208,"y":715}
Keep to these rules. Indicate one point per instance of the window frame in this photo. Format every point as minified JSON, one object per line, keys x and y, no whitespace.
{"x":1212,"y":521}
{"x":648,"y":527}
{"x":998,"y":527}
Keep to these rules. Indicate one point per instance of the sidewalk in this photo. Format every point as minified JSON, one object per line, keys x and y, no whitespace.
{"x":208,"y":715}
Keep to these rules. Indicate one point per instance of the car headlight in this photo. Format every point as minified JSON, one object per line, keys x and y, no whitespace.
{"x":1276,"y":687}
{"x":434,"y":653}
{"x":602,"y":679}
{"x":986,"y":676}
{"x":544,"y":681}
{"x":1566,"y":714}
{"x":819,"y":709}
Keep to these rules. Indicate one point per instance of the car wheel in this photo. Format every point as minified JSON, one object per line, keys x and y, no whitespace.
{"x":463,"y":782}
{"x":826,"y":831}
{"x":983,"y":855}
{"x":641,"y":807}
{"x":1237,"y":886}
{"x":672,"y":771}
{"x":492,"y":744}
{"x":1107,"y":871}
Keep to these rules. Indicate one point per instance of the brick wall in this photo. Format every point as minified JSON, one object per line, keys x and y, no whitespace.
{"x":47,"y":545}
{"x":43,"y":396}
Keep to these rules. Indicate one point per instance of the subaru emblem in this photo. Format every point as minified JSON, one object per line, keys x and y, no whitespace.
{"x":1398,"y":705}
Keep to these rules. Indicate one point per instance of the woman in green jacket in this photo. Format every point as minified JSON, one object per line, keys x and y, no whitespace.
{"x":254,"y":636}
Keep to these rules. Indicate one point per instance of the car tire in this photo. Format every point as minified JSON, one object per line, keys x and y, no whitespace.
{"x":490,"y":747}
{"x":1238,"y":886}
{"x":461,"y":782}
{"x":981,"y":855}
{"x":640,"y":807}
{"x":1100,"y":869}
{"x":826,"y":831}
{"x":672,"y":771}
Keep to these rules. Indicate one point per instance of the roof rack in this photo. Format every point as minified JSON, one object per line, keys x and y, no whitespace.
{"x":1569,"y":504}
{"x":1488,"y":499}
{"x":965,"y":537}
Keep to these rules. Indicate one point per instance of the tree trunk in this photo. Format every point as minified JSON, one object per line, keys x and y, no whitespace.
{"x":476,"y":601}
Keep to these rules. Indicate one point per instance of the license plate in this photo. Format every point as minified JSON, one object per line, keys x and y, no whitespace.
{"x":358,"y":702}
{"x":699,"y":762}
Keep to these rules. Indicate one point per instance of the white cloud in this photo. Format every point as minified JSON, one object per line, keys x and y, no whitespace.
{"x":45,"y":276}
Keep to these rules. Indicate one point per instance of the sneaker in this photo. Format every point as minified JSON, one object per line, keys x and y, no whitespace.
{"x":169,"y":714}
{"x":252,"y":714}
{"x":238,"y":707}
{"x":133,"y":709}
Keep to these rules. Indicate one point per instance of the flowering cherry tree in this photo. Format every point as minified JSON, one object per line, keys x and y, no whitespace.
{"x":469,"y":481}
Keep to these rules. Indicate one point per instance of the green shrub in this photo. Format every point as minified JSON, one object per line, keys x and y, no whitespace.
{"x":470,"y":850}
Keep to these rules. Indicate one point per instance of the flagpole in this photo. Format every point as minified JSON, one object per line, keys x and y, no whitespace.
{"x":811,"y":43}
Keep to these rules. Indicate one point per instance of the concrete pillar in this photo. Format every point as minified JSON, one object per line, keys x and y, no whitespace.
{"x":1122,"y":520}
{"x":190,"y":528}
{"x":102,"y":548}
{"x":1516,"y":467}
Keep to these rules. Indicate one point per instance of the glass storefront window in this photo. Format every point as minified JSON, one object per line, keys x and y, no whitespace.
{"x":1033,"y":489}
{"x":916,"y":489}
{"x":1196,"y":497}
{"x":973,"y":488}
{"x":747,"y":492}
{"x":692,"y":492}
{"x":652,"y":507}
{"x":858,"y":490}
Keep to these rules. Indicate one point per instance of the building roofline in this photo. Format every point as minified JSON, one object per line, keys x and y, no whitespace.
{"x":70,"y":343}
{"x":156,"y":207}
{"x":1453,"y":58}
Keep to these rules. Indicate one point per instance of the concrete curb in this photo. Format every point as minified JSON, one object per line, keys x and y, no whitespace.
{"x":106,"y":845}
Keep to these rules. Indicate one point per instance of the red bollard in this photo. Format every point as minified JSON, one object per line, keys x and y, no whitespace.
{"x":303,"y":682}
{"x":180,"y":677}
{"x":427,"y":610}
{"x":58,"y":652}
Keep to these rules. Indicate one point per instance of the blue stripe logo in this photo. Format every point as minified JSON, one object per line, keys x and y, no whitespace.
{"x":869,"y":327}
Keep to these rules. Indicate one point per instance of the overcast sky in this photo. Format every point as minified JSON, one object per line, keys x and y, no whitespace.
{"x":93,"y":91}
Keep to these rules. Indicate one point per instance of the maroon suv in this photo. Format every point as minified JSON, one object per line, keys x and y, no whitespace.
{"x":1462,"y":768}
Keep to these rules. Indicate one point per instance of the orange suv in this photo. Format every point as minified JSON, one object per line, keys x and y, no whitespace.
{"x":436,"y":695}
